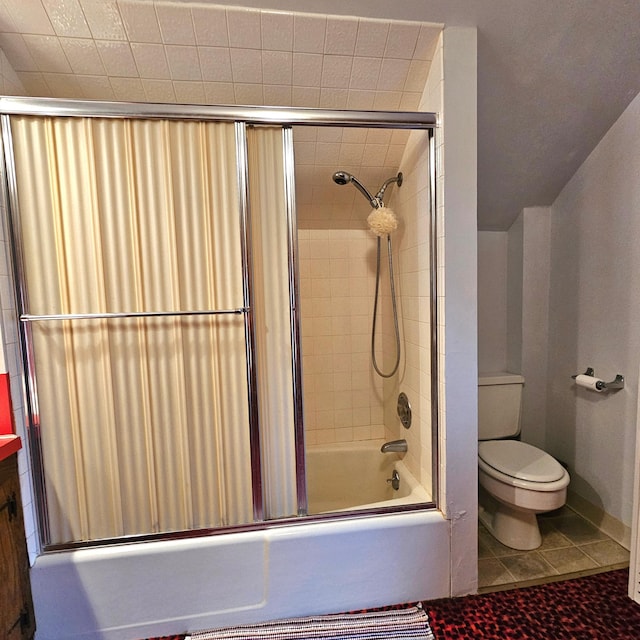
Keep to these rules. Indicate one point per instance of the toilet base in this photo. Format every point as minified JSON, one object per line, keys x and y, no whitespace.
{"x":514,"y":528}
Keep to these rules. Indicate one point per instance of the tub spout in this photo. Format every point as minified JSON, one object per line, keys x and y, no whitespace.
{"x":394,"y":446}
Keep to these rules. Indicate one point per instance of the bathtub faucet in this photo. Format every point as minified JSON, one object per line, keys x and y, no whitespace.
{"x":394,"y":446}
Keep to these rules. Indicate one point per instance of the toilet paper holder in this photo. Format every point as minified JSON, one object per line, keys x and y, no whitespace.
{"x":618,"y":383}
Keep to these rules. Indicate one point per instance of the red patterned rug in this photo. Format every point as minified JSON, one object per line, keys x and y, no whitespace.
{"x":592,"y":608}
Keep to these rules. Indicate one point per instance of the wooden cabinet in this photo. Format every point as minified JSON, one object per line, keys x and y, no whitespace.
{"x":17,"y":621}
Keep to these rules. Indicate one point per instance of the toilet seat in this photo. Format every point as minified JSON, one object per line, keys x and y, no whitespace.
{"x":521,"y":465}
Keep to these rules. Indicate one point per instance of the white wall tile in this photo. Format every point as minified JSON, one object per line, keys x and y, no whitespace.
{"x":117,"y":58}
{"x":309,"y":33}
{"x":277,"y":31}
{"x":215,"y":63}
{"x":184,"y":63}
{"x":140,"y":21}
{"x":83,"y":56}
{"x":104,"y":19}
{"x":176,"y":25}
{"x":210,"y":24}
{"x":244,"y":28}
{"x":67,"y":18}
{"x":151,"y":60}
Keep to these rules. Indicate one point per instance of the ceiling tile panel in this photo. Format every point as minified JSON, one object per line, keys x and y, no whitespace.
{"x":128,"y":89}
{"x":307,"y":69}
{"x":151,"y":61}
{"x":277,"y":95}
{"x":331,"y":98}
{"x":340,"y":38}
{"x":29,"y":16}
{"x":83,"y":56}
{"x":277,"y":67}
{"x":401,"y":41}
{"x":104,"y":19}
{"x":336,"y":71}
{"x":48,"y":53}
{"x":393,"y":74}
{"x":365,"y":73}
{"x":117,"y":58}
{"x":140,"y":21}
{"x":18,"y":52}
{"x":372,"y":38}
{"x":219,"y":92}
{"x":67,"y":18}
{"x":309,"y":33}
{"x":210,"y":23}
{"x":184,"y":63}
{"x":246,"y":65}
{"x":188,"y":92}
{"x":248,"y":93}
{"x":277,"y":31}
{"x":244,"y":28}
{"x":215,"y":63}
{"x":305,"y":97}
{"x":176,"y":24}
{"x":96,"y":87}
{"x":159,"y":90}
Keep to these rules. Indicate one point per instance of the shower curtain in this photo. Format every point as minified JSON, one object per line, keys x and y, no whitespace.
{"x":143,"y":420}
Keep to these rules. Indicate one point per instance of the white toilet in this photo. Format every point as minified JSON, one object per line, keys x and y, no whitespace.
{"x":517,"y":480}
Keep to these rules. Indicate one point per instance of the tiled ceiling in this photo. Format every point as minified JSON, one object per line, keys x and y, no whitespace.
{"x":139,"y":50}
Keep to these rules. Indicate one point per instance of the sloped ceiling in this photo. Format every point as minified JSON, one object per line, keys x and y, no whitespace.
{"x":552,"y":76}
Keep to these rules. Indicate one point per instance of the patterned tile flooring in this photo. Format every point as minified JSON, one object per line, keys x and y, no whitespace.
{"x":571,"y":547}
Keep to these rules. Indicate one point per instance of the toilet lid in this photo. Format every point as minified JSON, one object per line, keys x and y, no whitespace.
{"x":520,"y":460}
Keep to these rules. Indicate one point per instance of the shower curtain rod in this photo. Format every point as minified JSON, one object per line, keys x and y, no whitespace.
{"x":250,"y":114}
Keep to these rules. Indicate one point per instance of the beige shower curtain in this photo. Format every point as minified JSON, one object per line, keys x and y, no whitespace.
{"x":144,"y":420}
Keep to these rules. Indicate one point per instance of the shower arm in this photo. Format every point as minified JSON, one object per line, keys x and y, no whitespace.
{"x":383,"y":188}
{"x":375,"y":202}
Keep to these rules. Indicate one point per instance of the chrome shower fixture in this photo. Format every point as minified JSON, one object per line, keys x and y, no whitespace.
{"x":342,"y":177}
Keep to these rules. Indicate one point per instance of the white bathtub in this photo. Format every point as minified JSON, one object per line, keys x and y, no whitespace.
{"x":354,"y":475}
{"x":141,"y":590}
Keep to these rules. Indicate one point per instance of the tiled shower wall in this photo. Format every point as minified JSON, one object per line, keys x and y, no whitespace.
{"x":343,"y":401}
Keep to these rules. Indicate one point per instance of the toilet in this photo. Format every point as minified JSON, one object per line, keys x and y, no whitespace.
{"x":517,"y":480}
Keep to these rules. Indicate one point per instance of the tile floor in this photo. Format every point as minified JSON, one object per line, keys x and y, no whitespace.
{"x":571,"y":547}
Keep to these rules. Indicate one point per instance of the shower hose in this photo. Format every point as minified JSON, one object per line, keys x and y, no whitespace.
{"x":375,"y":311}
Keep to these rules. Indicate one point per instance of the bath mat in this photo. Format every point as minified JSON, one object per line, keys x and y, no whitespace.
{"x":395,"y":624}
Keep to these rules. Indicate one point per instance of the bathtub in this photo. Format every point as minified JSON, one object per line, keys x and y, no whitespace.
{"x":159,"y":588}
{"x":354,"y":475}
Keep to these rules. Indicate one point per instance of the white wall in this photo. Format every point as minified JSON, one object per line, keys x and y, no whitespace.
{"x":492,"y":301}
{"x":594,"y":318}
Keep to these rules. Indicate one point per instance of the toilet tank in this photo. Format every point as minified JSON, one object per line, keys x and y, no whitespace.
{"x":499,"y":401}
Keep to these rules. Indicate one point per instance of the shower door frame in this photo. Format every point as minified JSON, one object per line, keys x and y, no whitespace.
{"x":242,"y":116}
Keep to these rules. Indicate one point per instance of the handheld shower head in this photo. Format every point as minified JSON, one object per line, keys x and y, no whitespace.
{"x":342,"y":177}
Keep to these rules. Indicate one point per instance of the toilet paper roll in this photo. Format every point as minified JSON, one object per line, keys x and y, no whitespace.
{"x":590,"y":382}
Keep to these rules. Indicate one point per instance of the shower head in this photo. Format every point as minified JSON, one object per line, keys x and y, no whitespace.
{"x":342,"y":177}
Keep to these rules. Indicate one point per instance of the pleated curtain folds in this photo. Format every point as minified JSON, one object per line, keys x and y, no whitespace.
{"x":144,"y":420}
